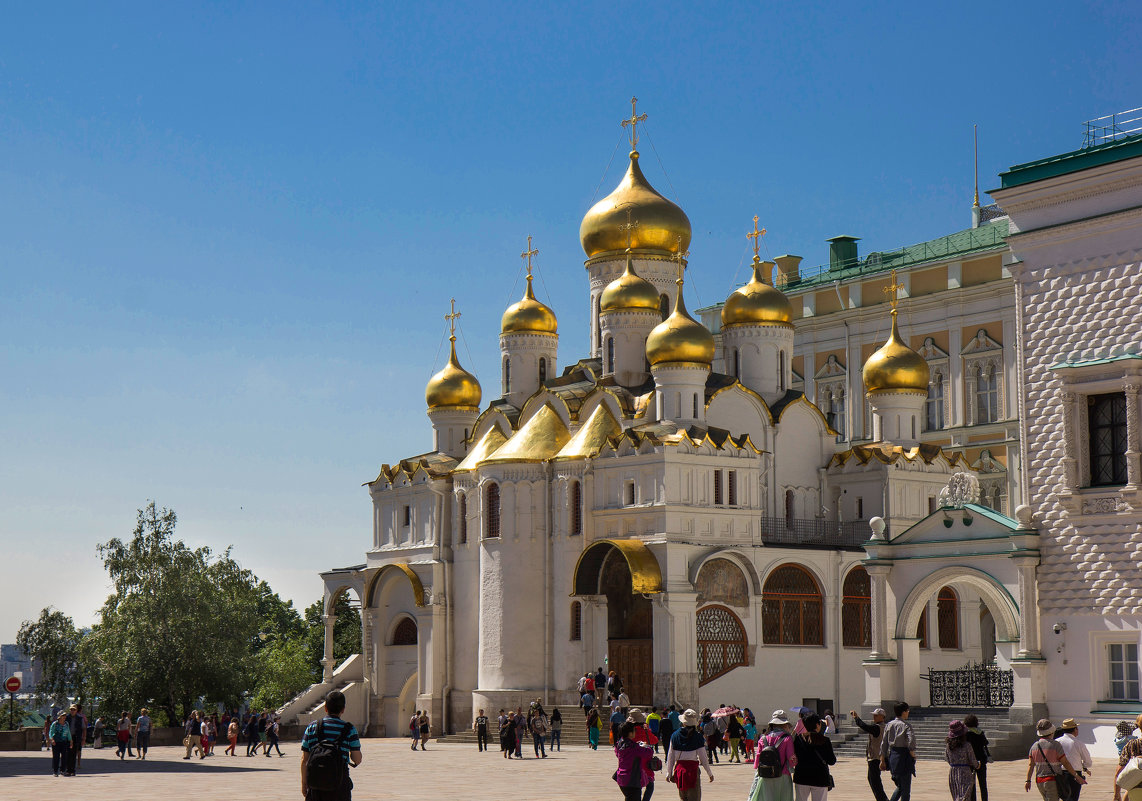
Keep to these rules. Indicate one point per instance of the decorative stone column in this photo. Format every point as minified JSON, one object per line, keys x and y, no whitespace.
{"x":327,"y":661}
{"x":1029,"y":645}
{"x":1133,"y":436}
{"x":878,"y":574}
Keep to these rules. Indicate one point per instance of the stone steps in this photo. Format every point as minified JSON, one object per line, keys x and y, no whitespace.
{"x":1007,"y":740}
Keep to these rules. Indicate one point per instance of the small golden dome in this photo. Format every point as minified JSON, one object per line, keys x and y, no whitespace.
{"x":895,"y":366}
{"x":680,"y":338}
{"x":660,"y":222}
{"x":452,"y":386}
{"x":629,"y":292}
{"x":757,"y":301}
{"x":528,"y":316}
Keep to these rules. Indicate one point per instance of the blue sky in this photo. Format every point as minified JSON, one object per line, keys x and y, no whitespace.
{"x":229,"y":232}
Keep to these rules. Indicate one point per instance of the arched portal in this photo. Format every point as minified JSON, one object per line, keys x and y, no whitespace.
{"x":625,"y":573}
{"x":991,"y":592}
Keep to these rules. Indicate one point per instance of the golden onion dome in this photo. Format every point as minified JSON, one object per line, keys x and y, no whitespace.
{"x":528,"y":315}
{"x":629,"y":292}
{"x":757,"y":301}
{"x":660,"y":222}
{"x":895,"y":366}
{"x":452,"y":386}
{"x":680,"y":338}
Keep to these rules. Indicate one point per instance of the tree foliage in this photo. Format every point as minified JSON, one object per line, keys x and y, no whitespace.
{"x":346,"y":633}
{"x":54,"y":642}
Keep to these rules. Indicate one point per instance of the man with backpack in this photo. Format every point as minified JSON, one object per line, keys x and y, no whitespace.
{"x":875,"y":731}
{"x":328,"y":747}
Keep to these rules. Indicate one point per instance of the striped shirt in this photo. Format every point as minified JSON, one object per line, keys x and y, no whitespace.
{"x":332,"y":728}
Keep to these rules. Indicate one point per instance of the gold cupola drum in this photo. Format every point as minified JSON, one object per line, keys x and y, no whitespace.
{"x":529,"y":340}
{"x":453,"y":396}
{"x":896,"y":384}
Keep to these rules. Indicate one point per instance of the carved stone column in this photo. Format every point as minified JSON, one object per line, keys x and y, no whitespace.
{"x":1070,"y":458}
{"x":327,"y":662}
{"x":1133,"y":437}
{"x":1029,"y":645}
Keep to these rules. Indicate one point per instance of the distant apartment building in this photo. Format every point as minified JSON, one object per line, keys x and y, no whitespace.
{"x":13,"y":660}
{"x":957,"y":309}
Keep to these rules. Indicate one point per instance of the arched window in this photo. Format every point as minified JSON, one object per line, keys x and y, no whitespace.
{"x":737,"y":364}
{"x":948,"y":618}
{"x":856,"y":609}
{"x":791,"y":607}
{"x":576,"y":620}
{"x":922,"y":629}
{"x":789,"y":507}
{"x":664,"y":307}
{"x":576,"y":508}
{"x":462,"y":534}
{"x":493,"y":511}
{"x":935,"y":403}
{"x":542,"y":369}
{"x":610,"y":368}
{"x":405,"y":632}
{"x":599,"y":322}
{"x":781,"y":371}
{"x":695,"y":407}
{"x":507,"y":375}
{"x":721,"y":643}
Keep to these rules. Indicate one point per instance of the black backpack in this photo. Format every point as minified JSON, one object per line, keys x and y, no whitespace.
{"x":769,"y":764}
{"x":326,"y":768}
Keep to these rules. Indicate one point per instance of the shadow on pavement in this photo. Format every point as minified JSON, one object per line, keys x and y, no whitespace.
{"x":32,"y":763}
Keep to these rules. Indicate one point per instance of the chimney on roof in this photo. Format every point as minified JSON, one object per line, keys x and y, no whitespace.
{"x":788,"y":269}
{"x":842,"y":251}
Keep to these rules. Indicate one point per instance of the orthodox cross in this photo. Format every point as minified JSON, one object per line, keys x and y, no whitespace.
{"x":891,"y":291}
{"x":527,"y":254}
{"x":629,"y":227}
{"x":635,"y":119}
{"x":451,"y":318}
{"x":756,"y":234}
{"x":680,"y":256}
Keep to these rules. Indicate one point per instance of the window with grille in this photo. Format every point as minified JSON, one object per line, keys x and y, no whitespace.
{"x":856,"y":609}
{"x":922,"y":629}
{"x":542,"y":370}
{"x":986,"y":394}
{"x":493,"y":511}
{"x":791,"y":608}
{"x":576,"y":508}
{"x":1122,"y":662}
{"x":1106,"y":419}
{"x":732,"y":487}
{"x":948,"y":618}
{"x":576,"y":620}
{"x":717,"y":488}
{"x":721,"y":643}
{"x":781,"y":372}
{"x":610,"y":355}
{"x":934,"y":406}
{"x":463,"y":512}
{"x":507,"y":375}
{"x":737,"y":364}
{"x":405,"y":632}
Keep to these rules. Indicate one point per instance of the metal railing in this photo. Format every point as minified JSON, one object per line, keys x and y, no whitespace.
{"x":1111,"y":127}
{"x":815,"y":533}
{"x":971,"y":686}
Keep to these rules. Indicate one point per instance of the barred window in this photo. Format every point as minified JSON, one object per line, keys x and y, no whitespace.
{"x":493,"y":511}
{"x":948,"y":618}
{"x":856,"y":609}
{"x":507,"y":375}
{"x":721,"y":643}
{"x":463,"y":512}
{"x":1106,"y":419}
{"x":405,"y":632}
{"x":732,"y":487}
{"x":576,"y":620}
{"x":542,"y":370}
{"x":791,"y":608}
{"x":717,"y":488}
{"x":610,"y":368}
{"x":576,"y":508}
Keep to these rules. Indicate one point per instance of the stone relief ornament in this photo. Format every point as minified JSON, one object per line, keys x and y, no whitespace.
{"x":1105,"y":506}
{"x":962,"y":488}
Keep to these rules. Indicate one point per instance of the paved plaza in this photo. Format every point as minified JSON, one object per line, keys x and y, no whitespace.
{"x":445,"y":771}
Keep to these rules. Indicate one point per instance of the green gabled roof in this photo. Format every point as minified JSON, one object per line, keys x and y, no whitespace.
{"x":1074,"y":161}
{"x":1095,"y":361}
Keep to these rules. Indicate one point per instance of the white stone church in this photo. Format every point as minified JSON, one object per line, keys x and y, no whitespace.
{"x":674,"y":511}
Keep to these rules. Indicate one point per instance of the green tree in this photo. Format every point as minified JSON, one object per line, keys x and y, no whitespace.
{"x":180,"y":625}
{"x":346,"y":633}
{"x":54,"y":642}
{"x":282,"y":669}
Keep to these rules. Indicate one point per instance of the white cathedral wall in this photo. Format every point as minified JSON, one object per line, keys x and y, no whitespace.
{"x":389,"y":529}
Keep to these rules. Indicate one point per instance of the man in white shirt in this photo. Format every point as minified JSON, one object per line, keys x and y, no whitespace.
{"x":1076,"y":751}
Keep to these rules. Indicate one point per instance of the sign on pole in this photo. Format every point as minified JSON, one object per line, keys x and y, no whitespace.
{"x":13,"y":684}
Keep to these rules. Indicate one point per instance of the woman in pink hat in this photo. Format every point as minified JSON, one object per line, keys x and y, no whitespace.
{"x":962,"y":762}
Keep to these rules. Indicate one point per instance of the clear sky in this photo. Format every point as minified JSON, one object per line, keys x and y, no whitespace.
{"x":229,"y":232}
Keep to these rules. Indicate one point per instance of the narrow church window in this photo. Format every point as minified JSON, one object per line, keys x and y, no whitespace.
{"x":610,"y":368}
{"x":948,"y":618}
{"x":695,"y":407}
{"x":507,"y":375}
{"x":405,"y":632}
{"x":717,"y":488}
{"x":781,"y":371}
{"x":934,"y":406}
{"x":576,"y":620}
{"x":737,"y":364}
{"x":922,"y":629}
{"x":856,"y":609}
{"x":1106,"y":421}
{"x":463,"y":513}
{"x":789,"y":508}
{"x":664,"y":307}
{"x":792,"y":608}
{"x":721,"y":642}
{"x":542,"y":370}
{"x":598,"y":321}
{"x":630,"y":493}
{"x":576,"y":508}
{"x":860,"y":508}
{"x":913,"y":426}
{"x":732,"y":487}
{"x":493,"y":511}
{"x":407,"y":516}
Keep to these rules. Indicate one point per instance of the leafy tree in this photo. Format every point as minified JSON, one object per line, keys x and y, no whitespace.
{"x":54,"y":642}
{"x":346,"y":633}
{"x":180,"y":625}
{"x":282,"y":669}
{"x":13,"y":714}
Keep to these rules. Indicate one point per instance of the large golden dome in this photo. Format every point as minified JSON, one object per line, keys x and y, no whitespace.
{"x":680,"y":338}
{"x":452,"y":386}
{"x":895,"y":366}
{"x":660,"y":222}
{"x":757,"y":301}
{"x":528,"y":315}
{"x":629,"y":292}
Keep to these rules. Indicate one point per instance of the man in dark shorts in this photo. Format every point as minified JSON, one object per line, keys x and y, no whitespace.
{"x":336,"y":729}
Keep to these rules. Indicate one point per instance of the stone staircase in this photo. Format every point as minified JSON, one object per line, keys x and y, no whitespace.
{"x":1007,"y":740}
{"x":574,"y":731}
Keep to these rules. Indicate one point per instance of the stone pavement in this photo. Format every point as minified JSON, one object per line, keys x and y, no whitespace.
{"x":444,"y":771}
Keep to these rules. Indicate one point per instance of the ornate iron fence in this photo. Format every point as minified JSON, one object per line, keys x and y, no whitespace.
{"x":815,"y":533}
{"x":972,"y":686}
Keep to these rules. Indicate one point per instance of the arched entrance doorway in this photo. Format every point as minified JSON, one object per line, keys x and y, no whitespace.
{"x":625,"y":574}
{"x":406,"y":705}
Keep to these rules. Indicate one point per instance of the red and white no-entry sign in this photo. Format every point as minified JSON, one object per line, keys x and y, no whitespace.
{"x":12,"y":685}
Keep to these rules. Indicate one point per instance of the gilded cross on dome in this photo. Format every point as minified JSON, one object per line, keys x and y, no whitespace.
{"x":527,"y":254}
{"x":629,"y":226}
{"x":451,"y":318}
{"x":635,"y":119}
{"x":680,"y":256}
{"x":756,"y":234}
{"x":891,"y":291}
